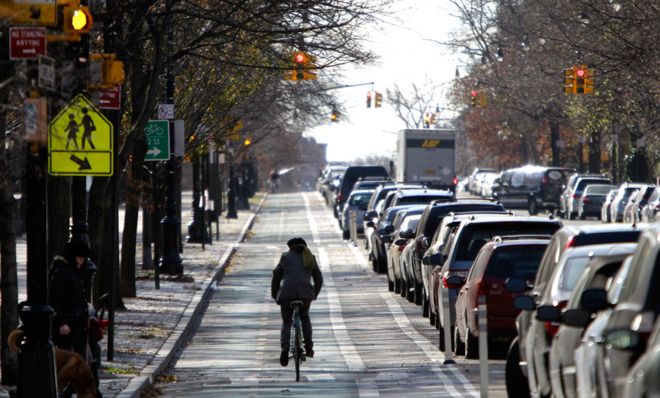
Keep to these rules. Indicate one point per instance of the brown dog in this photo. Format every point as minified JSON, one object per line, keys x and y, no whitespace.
{"x":71,"y":368}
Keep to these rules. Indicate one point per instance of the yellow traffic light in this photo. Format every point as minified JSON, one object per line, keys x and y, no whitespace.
{"x":247,"y":142}
{"x":378,"y":100}
{"x":569,"y":81}
{"x":77,"y":19}
{"x":334,"y":116}
{"x":483,"y":99}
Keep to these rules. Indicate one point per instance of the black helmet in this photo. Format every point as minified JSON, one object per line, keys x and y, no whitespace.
{"x":296,"y":241}
{"x":76,"y":248}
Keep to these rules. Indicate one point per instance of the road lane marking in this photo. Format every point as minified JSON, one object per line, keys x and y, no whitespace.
{"x":366,"y":387}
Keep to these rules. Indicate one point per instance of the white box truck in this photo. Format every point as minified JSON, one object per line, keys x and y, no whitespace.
{"x":427,"y":156}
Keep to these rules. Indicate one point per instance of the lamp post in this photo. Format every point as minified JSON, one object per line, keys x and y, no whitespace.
{"x":231,"y":190}
{"x":171,"y":261}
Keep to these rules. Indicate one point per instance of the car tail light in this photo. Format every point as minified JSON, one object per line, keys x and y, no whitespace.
{"x":551,"y":328}
{"x":482,"y":288}
{"x":339,"y":197}
{"x":455,"y":180}
{"x":401,"y":247}
{"x":544,"y":180}
{"x":585,"y":199}
{"x":574,"y":196}
{"x":570,"y":242}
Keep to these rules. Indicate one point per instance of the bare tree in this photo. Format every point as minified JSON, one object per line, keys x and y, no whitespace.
{"x":411,"y":107}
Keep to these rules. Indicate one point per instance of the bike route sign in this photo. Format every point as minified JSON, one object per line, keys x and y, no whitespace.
{"x":157,"y":136}
{"x":80,"y":141}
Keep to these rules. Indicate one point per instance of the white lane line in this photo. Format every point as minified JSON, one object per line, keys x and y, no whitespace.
{"x":422,"y":342}
{"x":366,"y":387}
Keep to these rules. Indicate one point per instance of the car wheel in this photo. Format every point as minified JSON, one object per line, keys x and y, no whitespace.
{"x":390,"y":285}
{"x":410,"y":293}
{"x":441,"y":334}
{"x":582,"y":216}
{"x":345,"y":235}
{"x":532,"y":207}
{"x":516,"y":382}
{"x":382,"y":267}
{"x":374,"y":264}
{"x":404,"y":288}
{"x":433,"y":318}
{"x":459,"y":346}
{"x":472,"y":346}
{"x":425,"y":305}
{"x":397,"y":285}
{"x":417,"y":294}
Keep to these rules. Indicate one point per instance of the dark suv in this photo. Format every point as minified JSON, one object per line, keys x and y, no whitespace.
{"x":535,"y":188}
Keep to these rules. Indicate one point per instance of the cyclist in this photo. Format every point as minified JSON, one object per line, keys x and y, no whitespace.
{"x":292,"y":281}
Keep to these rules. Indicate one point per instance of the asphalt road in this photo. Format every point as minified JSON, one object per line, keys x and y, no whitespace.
{"x":368,"y":341}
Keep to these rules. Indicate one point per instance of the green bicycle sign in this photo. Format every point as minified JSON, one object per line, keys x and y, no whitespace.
{"x":157,"y":136}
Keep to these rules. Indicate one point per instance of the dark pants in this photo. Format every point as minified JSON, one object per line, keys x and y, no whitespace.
{"x":287,"y":320}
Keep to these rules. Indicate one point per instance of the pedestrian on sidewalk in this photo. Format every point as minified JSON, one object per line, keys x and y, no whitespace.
{"x":66,"y":296}
{"x":292,"y":280}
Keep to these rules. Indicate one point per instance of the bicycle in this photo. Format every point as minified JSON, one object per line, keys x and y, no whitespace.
{"x":296,"y":345}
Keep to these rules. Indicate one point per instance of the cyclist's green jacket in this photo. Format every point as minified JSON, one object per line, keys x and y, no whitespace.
{"x":292,"y":280}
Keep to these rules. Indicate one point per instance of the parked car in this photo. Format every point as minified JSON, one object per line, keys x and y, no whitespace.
{"x":621,"y":199}
{"x":636,"y":311}
{"x":351,"y":175}
{"x":372,"y":214}
{"x":518,"y":359}
{"x":597,"y":274}
{"x":402,"y":234}
{"x":643,"y":380}
{"x":632,"y":212}
{"x":535,"y":188}
{"x":502,"y":258}
{"x":607,"y":203}
{"x":545,"y":323}
{"x":591,"y":201}
{"x":431,"y":218}
{"x":570,"y":196}
{"x":470,"y":236}
{"x":651,"y":211}
{"x":381,"y":236}
{"x":476,"y":173}
{"x":588,"y":357}
{"x":357,"y":202}
{"x":487,"y":184}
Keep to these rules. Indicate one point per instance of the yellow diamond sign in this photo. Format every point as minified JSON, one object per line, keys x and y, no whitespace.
{"x":80,"y":141}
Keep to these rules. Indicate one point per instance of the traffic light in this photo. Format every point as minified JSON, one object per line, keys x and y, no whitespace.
{"x":369,"y":99}
{"x":378,"y":100}
{"x":77,"y":19}
{"x":334,"y":116}
{"x":474,"y":94}
{"x":247,"y":142}
{"x":589,"y":81}
{"x":303,"y":66}
{"x":482,"y":99}
{"x":569,"y":81}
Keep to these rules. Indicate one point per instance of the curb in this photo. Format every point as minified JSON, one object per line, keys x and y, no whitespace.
{"x":193,"y":313}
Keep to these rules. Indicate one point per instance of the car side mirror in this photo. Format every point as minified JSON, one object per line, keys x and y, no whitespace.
{"x":623,"y":339}
{"x":594,"y":300}
{"x":388,"y":229}
{"x":524,"y":302}
{"x":425,"y":243}
{"x":370,"y":224}
{"x":436,"y":259}
{"x":548,"y":313}
{"x":517,"y":285}
{"x":426,"y":260}
{"x":400,"y":242}
{"x":387,"y":239}
{"x":576,"y":317}
{"x":407,"y":234}
{"x":455,"y":280}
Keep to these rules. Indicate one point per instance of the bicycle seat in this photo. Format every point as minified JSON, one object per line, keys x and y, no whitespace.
{"x":296,"y":303}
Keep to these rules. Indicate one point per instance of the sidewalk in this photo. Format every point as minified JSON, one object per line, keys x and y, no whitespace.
{"x":157,"y":322}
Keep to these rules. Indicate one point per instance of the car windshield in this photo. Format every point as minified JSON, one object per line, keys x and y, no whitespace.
{"x":597,"y":189}
{"x":360,"y":200}
{"x":515,"y":261}
{"x":408,"y":200}
{"x":476,"y":235}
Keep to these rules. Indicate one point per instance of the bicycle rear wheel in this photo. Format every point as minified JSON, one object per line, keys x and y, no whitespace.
{"x":297,"y":356}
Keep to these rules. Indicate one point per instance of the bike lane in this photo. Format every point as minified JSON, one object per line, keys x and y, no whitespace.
{"x":364,"y":342}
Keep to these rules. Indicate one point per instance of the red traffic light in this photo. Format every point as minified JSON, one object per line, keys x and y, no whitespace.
{"x":579,"y":72}
{"x":299,"y":58}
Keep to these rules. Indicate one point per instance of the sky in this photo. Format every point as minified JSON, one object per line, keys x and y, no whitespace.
{"x":407,"y":54}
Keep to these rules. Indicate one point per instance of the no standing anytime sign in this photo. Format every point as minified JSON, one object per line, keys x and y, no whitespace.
{"x":27,"y":42}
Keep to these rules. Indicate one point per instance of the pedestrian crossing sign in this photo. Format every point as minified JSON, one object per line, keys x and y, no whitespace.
{"x":80,"y":141}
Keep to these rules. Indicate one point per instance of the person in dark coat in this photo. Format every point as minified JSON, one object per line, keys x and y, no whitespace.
{"x":66,"y":296}
{"x":292,"y":281}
